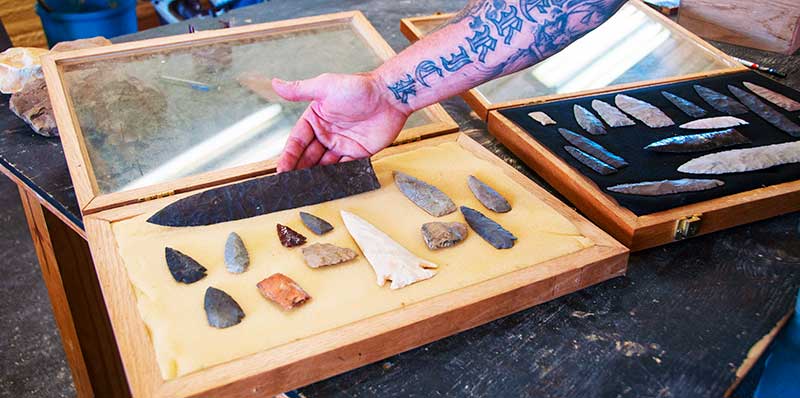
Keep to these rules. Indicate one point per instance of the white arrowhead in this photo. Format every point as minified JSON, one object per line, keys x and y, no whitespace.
{"x":388,"y":259}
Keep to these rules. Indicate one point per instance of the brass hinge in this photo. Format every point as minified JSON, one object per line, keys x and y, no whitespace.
{"x":687,"y":227}
{"x":157,"y":196}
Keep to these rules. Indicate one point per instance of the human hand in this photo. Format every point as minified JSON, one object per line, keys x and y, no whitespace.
{"x":349,"y":117}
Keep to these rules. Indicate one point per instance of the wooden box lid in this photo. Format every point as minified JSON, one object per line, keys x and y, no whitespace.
{"x":636,"y":47}
{"x":150,"y":118}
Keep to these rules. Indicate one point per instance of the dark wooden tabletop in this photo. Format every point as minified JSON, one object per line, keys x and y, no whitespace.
{"x":679,"y":324}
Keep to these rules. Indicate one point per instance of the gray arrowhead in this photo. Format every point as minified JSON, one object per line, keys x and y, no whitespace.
{"x":489,"y":230}
{"x":488,"y":196}
{"x":315,"y":224}
{"x":438,"y":235}
{"x":222,"y":311}
{"x":424,"y":195}
{"x":236,"y":258}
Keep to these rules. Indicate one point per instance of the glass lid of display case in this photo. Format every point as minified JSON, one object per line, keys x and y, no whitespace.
{"x":634,"y":45}
{"x":161,"y":113}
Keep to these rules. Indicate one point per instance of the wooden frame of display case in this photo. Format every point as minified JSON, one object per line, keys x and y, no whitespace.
{"x":313,"y":358}
{"x":642,"y":232}
{"x":89,"y":197}
{"x":410,"y":27}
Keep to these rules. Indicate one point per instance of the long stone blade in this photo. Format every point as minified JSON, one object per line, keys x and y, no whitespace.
{"x":699,"y":142}
{"x":766,"y":112}
{"x":426,"y":196}
{"x":644,"y":111}
{"x":741,"y":160}
{"x":592,"y":148}
{"x":590,"y":161}
{"x":269,"y":194}
{"x":613,"y":116}
{"x":666,"y":187}
{"x":776,"y":98}
{"x":388,"y":259}
{"x":686,"y":106}
{"x":720,"y":102}
{"x":588,"y":121}
{"x":719,"y":122}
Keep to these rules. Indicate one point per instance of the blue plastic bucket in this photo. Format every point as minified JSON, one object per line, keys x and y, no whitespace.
{"x":80,"y":19}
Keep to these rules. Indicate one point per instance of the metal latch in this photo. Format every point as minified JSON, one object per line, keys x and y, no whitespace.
{"x":687,"y":227}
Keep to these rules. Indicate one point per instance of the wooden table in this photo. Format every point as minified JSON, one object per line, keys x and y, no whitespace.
{"x":680,"y":324}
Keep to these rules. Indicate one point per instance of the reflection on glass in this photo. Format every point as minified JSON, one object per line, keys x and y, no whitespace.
{"x":163,"y":115}
{"x":631,"y":46}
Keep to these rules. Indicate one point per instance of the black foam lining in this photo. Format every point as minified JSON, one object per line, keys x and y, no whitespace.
{"x":650,"y":166}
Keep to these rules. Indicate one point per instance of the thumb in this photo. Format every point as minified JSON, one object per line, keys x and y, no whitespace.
{"x":298,"y":90}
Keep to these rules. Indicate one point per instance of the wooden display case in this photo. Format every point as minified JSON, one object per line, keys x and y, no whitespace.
{"x":637,"y":47}
{"x":124,"y":110}
{"x":309,"y":358}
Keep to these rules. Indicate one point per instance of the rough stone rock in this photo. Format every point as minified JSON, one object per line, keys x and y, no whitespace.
{"x":18,"y":65}
{"x":438,"y":235}
{"x":80,"y":44}
{"x":32,"y":105}
{"x":283,"y":291}
{"x":325,"y":254}
{"x":236,"y":257}
{"x":222,"y":311}
{"x":290,"y":237}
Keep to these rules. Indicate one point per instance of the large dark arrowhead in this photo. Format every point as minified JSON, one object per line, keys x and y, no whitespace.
{"x":269,"y":194}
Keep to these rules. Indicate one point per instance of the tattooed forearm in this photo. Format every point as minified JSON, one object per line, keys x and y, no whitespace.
{"x":490,"y":38}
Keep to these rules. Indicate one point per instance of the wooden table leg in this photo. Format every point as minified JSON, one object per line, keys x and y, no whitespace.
{"x":77,"y":302}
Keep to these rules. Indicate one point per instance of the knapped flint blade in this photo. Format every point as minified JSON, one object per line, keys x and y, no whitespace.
{"x":719,"y":122}
{"x":763,"y":110}
{"x":686,"y":106}
{"x":592,"y":148}
{"x":666,"y":187}
{"x":720,"y":102}
{"x":588,"y":121}
{"x":613,"y":116}
{"x":488,"y":229}
{"x":741,"y":160}
{"x":776,"y":98}
{"x":426,"y":196}
{"x":644,"y":111}
{"x":269,"y":194}
{"x":699,"y":142}
{"x":590,"y":161}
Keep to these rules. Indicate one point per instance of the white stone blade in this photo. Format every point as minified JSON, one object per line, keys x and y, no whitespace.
{"x":720,"y":122}
{"x":388,"y":259}
{"x":612,"y":116}
{"x":741,"y":160}
{"x":644,"y":111}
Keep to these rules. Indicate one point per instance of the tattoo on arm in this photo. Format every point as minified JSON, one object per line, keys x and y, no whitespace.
{"x":535,"y":29}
